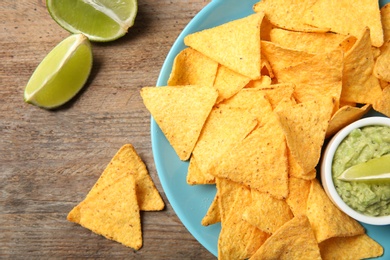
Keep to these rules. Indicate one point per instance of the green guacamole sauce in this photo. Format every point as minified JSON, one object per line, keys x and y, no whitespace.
{"x":359,"y":146}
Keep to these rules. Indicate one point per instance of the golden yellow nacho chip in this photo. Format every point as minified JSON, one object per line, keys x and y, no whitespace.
{"x":314,"y":79}
{"x":305,"y":125}
{"x":180,"y":112}
{"x":287,"y":14}
{"x":350,"y":248}
{"x":190,"y":67}
{"x":127,"y":161}
{"x":346,"y":18}
{"x":235,"y":44}
{"x":263,"y":82}
{"x":259,"y":161}
{"x":277,"y":92}
{"x":382,"y":64}
{"x":212,"y":216}
{"x":326,"y":219}
{"x":359,"y":83}
{"x":223,"y":129}
{"x":266,"y":212}
{"x":294,"y":240}
{"x":307,"y":42}
{"x":247,"y":238}
{"x":281,"y":58}
{"x":112,"y":212}
{"x":195,"y":176}
{"x":228,"y":83}
{"x":345,"y":116}
{"x":385,"y":19}
{"x":298,"y":193}
{"x":382,"y":105}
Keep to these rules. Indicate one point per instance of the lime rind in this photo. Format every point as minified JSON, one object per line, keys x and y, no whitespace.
{"x":61,"y":74}
{"x":377,"y":169}
{"x":99,"y":20}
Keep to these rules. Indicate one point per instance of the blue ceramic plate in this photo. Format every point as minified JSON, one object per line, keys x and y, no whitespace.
{"x":192,"y":202}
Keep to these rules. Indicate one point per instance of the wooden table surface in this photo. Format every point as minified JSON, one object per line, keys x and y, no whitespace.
{"x":50,"y":159}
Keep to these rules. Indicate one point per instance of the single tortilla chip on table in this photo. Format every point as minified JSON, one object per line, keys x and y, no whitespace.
{"x":127,"y":161}
{"x":294,"y":240}
{"x":180,"y":112}
{"x":326,"y":219}
{"x":112,"y":212}
{"x":190,"y":67}
{"x":235,"y":44}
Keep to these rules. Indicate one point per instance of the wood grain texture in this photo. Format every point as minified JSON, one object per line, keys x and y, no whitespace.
{"x":50,"y":159}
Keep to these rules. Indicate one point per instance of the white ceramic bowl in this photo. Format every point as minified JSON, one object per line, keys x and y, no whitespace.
{"x":326,"y":170}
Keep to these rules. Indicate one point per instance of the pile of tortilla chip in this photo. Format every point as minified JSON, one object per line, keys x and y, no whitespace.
{"x":250,"y":103}
{"x":112,"y":207}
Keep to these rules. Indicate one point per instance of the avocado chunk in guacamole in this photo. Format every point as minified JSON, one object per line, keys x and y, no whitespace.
{"x":361,"y":145}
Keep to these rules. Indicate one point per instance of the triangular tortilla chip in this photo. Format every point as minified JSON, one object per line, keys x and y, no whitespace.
{"x":326,"y":219}
{"x":345,"y":116}
{"x":307,"y":42}
{"x":310,"y":118}
{"x":294,"y":240}
{"x":280,"y":57}
{"x":385,"y":18}
{"x":247,"y":238}
{"x":359,"y":83}
{"x":195,"y":176}
{"x":228,"y":83}
{"x":382,"y":105}
{"x":350,"y":248}
{"x":382,"y":63}
{"x":180,"y":112}
{"x":235,"y":44}
{"x":223,"y":129}
{"x":266,"y":212}
{"x":213,"y":215}
{"x":337,"y":15}
{"x":190,"y":67}
{"x":287,"y":14}
{"x":316,"y":78}
{"x":259,"y":161}
{"x":277,"y":92}
{"x":298,"y":193}
{"x":126,"y":161}
{"x":112,"y":212}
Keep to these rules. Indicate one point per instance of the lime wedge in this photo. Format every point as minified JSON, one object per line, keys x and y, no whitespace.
{"x":377,"y":169}
{"x":61,"y":74}
{"x":99,"y":20}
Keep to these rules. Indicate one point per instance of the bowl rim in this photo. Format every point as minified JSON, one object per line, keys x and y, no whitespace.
{"x":326,"y":170}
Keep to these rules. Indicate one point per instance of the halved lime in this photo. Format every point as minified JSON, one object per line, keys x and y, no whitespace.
{"x":377,"y":169}
{"x":99,"y":20}
{"x":61,"y":74}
